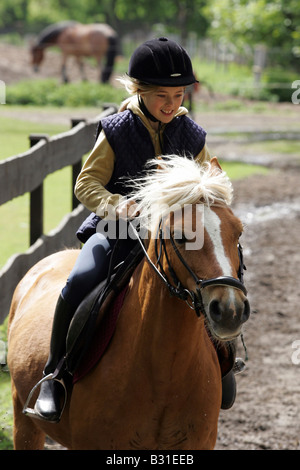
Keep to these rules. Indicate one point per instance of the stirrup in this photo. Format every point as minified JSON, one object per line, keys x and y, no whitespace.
{"x":239,"y":366}
{"x":31,"y":411}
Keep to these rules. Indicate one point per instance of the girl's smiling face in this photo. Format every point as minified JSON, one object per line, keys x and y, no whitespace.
{"x":164,"y":102}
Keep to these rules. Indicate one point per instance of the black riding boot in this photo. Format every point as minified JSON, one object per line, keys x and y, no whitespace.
{"x":229,"y":383}
{"x":49,"y":402}
{"x":228,"y":390}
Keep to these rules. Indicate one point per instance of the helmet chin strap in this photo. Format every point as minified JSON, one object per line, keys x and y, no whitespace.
{"x":152,"y":118}
{"x":145,"y":110}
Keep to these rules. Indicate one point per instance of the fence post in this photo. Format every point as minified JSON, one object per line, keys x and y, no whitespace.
{"x":36,"y":200}
{"x":76,"y":168}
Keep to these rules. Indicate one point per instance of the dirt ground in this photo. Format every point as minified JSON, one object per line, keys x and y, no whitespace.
{"x":15,"y":65}
{"x":267,"y":408}
{"x":266,"y":414}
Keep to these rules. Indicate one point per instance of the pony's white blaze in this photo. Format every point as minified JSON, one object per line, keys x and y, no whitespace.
{"x":212,"y":225}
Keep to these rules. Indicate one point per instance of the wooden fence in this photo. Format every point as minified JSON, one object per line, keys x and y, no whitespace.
{"x":25,"y":173}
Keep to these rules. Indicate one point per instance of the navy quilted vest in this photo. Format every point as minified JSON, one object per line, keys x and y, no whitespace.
{"x":133,"y":147}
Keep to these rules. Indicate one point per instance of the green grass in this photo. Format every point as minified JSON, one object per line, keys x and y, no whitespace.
{"x":237,"y":170}
{"x":14,"y":133}
{"x":50,"y":92}
{"x":14,"y":237}
{"x":6,"y":413}
{"x":277,"y":146}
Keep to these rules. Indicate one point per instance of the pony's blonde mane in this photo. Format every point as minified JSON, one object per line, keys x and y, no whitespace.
{"x":177,"y":181}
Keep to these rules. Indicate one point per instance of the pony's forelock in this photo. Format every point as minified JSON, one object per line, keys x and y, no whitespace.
{"x":178,"y":181}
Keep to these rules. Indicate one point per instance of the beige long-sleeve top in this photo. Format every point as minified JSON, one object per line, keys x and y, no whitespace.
{"x":98,"y":168}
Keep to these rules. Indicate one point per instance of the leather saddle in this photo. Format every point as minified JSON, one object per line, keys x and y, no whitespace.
{"x":95,"y":308}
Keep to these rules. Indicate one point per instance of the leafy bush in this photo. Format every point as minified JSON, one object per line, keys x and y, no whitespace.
{"x":238,"y":80}
{"x":279,"y":83}
{"x":49,"y":93}
{"x":275,"y":86}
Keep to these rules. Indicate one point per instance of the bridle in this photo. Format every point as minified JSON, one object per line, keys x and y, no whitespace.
{"x":194,"y":300}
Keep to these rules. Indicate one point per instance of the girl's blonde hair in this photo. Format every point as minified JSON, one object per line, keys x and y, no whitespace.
{"x":134,"y":87}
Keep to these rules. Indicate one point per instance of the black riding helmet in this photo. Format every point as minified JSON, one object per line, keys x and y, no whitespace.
{"x":161,"y":62}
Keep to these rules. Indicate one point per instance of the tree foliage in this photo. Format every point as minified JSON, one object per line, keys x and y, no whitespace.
{"x":31,"y":15}
{"x":274,"y":23}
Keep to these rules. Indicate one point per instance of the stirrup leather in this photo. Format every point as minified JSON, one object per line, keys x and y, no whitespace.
{"x":31,"y":411}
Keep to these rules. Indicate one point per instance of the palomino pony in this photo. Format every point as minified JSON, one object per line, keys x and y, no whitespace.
{"x":78,"y":40}
{"x":158,"y":385}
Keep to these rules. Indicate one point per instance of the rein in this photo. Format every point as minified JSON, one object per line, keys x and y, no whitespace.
{"x":193,"y":300}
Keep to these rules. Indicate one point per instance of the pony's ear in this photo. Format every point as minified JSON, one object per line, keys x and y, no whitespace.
{"x":215,"y":163}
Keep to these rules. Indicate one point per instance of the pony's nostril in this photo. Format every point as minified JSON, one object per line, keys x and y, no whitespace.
{"x":215,"y":311}
{"x":246,"y":312}
{"x":220,"y":312}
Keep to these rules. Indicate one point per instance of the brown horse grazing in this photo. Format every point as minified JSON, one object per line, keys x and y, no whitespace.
{"x":158,"y":385}
{"x":78,"y":40}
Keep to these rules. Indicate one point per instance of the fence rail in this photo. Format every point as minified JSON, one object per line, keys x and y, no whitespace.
{"x":25,"y":173}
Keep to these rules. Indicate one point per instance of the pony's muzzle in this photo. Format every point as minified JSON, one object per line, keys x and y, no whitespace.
{"x":227,"y":315}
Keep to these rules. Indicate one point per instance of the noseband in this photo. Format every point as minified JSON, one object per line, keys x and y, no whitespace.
{"x":194,"y":300}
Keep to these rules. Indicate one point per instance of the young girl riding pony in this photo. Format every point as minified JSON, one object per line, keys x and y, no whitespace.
{"x":152,"y":122}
